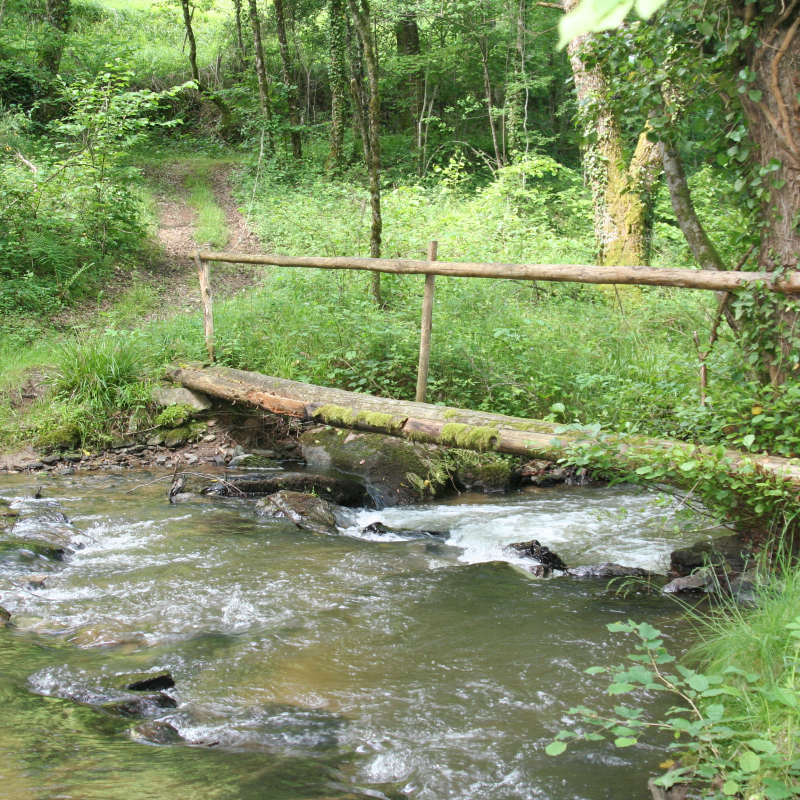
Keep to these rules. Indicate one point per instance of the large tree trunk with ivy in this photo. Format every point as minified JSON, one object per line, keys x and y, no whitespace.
{"x":221,"y":105}
{"x":361,"y":17}
{"x":769,"y":94}
{"x":286,"y":68}
{"x":767,"y":74}
{"x":622,"y":194}
{"x":337,"y":33}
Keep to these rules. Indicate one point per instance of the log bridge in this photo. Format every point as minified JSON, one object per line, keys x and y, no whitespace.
{"x":454,"y":427}
{"x":422,"y":422}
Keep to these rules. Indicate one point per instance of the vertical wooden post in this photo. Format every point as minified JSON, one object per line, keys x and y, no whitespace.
{"x":427,"y":325}
{"x":204,"y":276}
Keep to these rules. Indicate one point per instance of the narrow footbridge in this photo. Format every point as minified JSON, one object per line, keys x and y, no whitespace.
{"x":427,"y":423}
{"x":458,"y":427}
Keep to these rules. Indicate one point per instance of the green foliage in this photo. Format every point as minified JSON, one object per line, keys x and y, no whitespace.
{"x":729,"y":488}
{"x":726,"y":750}
{"x":103,"y":374}
{"x":174,"y":416}
{"x":70,"y":206}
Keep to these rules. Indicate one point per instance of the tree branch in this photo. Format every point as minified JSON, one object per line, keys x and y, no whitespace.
{"x":701,"y":246}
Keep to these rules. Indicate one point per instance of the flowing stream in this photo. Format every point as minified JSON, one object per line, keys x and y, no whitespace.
{"x":311,"y":666}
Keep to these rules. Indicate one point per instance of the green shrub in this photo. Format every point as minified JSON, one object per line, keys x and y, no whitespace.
{"x":106,"y":373}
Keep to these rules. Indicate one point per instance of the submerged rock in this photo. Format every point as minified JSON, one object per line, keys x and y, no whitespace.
{"x":5,"y":617}
{"x":155,"y":732}
{"x":383,"y":462}
{"x":146,"y":681}
{"x":609,"y":570}
{"x":308,"y":512}
{"x":142,"y":706}
{"x":342,"y":491}
{"x":379,"y":527}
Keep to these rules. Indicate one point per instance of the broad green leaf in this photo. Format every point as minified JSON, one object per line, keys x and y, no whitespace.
{"x":761,"y":745}
{"x":749,"y":762}
{"x":620,"y":688}
{"x":594,"y":670}
{"x":699,"y":683}
{"x":555,"y":748}
{"x":730,"y":788}
{"x":626,"y":741}
{"x":593,"y":16}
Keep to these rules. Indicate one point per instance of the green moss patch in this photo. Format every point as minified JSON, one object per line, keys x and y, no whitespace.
{"x":470,"y":437}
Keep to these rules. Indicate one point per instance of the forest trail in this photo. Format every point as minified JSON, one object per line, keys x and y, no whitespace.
{"x":174,"y":273}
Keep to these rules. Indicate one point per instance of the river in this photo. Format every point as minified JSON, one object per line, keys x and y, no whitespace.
{"x":311,"y":666}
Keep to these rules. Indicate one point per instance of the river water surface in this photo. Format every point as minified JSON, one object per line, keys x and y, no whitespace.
{"x":311,"y":666}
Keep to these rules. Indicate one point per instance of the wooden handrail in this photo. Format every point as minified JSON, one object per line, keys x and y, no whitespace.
{"x":573,"y":273}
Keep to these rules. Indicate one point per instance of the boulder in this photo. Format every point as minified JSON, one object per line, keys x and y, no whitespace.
{"x":539,"y":472}
{"x":308,"y":512}
{"x":732,"y":553}
{"x":5,"y":617}
{"x":146,"y":681}
{"x":489,"y":478}
{"x":155,"y":732}
{"x":744,"y":588}
{"x":703,"y":580}
{"x":395,"y":470}
{"x":609,"y":570}
{"x":342,"y":491}
{"x":541,"y":553}
{"x":178,"y":396}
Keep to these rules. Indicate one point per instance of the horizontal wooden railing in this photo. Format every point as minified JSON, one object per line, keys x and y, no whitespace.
{"x":683,"y":278}
{"x":711,"y":280}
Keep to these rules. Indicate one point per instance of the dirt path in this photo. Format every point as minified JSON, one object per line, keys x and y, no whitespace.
{"x":176,"y":272}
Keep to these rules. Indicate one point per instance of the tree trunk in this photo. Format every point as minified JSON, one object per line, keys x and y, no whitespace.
{"x":621,"y":195}
{"x":407,"y":36}
{"x":517,"y":91}
{"x":56,"y":19}
{"x":423,"y":422}
{"x":286,"y":67}
{"x":237,"y":4}
{"x":772,"y":106}
{"x":483,"y":45}
{"x":222,"y":106}
{"x":261,"y":69}
{"x":361,"y":18}
{"x":337,"y":33}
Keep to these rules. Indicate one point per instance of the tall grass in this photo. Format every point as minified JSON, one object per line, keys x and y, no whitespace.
{"x":104,"y":373}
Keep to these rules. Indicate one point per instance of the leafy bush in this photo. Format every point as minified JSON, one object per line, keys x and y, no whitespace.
{"x":727,"y":747}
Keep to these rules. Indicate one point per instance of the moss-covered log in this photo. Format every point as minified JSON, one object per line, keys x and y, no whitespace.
{"x":421,"y":422}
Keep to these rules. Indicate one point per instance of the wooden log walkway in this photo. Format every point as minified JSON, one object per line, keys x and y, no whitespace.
{"x":423,"y":422}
